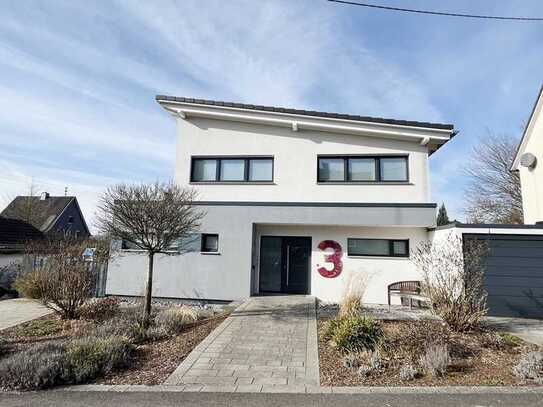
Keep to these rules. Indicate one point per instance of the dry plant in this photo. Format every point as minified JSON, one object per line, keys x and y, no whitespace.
{"x":60,"y":276}
{"x":356,"y":284}
{"x":153,"y":217}
{"x":453,"y":279}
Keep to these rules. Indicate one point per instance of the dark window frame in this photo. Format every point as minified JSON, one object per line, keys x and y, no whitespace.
{"x":246,"y":165}
{"x":203,"y":242}
{"x":347,"y":177}
{"x":390,"y":248}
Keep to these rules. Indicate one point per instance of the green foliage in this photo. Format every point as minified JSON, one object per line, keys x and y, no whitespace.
{"x":511,"y":340}
{"x":354,"y":333}
{"x":40,"y":327}
{"x":35,"y":368}
{"x":442,"y":217}
{"x":101,"y":309}
{"x":91,"y":357}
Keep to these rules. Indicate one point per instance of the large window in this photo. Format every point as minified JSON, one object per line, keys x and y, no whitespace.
{"x":378,"y":247}
{"x":362,"y":169}
{"x":232,"y":169}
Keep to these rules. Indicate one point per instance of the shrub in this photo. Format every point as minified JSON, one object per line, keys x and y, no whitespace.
{"x":354,"y":334}
{"x":90,"y":357}
{"x":101,"y":309}
{"x":408,"y":372}
{"x":510,"y":340}
{"x":40,"y":327}
{"x":351,"y":361}
{"x":530,"y":366}
{"x":9,"y":273}
{"x":29,"y":284}
{"x":173,"y":320}
{"x":36,"y":368}
{"x":435,"y":359}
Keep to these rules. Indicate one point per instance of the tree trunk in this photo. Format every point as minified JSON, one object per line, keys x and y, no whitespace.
{"x":148,"y":292}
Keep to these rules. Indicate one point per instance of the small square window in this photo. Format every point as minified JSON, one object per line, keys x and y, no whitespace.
{"x":210,"y":243}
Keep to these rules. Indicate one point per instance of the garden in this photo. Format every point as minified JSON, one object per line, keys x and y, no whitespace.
{"x":449,"y":346}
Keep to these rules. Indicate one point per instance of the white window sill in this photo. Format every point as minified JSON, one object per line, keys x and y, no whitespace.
{"x":211,"y":253}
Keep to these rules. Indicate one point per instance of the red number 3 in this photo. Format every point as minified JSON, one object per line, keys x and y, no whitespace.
{"x":334,"y":258}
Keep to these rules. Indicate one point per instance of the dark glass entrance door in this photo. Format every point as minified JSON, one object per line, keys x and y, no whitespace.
{"x":285,"y":264}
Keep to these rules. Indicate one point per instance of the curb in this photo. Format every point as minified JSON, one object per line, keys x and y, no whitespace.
{"x":306,"y":389}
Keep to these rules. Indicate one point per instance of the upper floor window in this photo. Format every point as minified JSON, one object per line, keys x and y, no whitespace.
{"x":378,"y":247}
{"x":362,"y":169}
{"x":232,"y":169}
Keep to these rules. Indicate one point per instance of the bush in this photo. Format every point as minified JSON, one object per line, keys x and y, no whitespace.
{"x":9,"y":273}
{"x":40,"y":327}
{"x":408,"y":372}
{"x":173,"y":320}
{"x":29,"y":284}
{"x":353,"y":294}
{"x":453,"y":280}
{"x":435,"y":359}
{"x":101,"y":309}
{"x":36,"y":368}
{"x":530,"y":366}
{"x":90,"y":357}
{"x":354,"y":334}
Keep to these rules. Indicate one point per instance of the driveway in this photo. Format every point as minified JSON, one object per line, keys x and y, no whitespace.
{"x":19,"y":310}
{"x":531,"y":330}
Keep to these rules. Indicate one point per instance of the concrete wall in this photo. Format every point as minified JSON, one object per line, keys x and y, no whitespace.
{"x":532,"y":179}
{"x":227,"y":275}
{"x":295,"y":162}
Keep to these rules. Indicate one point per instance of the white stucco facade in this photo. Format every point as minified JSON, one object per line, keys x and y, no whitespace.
{"x":293,"y":204}
{"x":531,"y":178}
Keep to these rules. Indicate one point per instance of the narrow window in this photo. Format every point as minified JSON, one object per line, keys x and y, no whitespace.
{"x":210,"y":243}
{"x":378,"y":247}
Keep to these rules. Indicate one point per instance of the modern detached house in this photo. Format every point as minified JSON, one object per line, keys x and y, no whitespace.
{"x":295,"y":201}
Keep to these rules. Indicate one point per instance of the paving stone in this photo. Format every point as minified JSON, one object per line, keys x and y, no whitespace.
{"x":219,"y":389}
{"x":270,"y":380}
{"x":249,"y":388}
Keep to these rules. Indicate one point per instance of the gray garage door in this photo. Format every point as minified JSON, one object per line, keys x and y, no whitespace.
{"x":514,"y":275}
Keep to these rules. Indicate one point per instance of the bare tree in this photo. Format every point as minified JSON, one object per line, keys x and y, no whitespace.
{"x":493,"y":194}
{"x":153,"y":217}
{"x":453,"y":279}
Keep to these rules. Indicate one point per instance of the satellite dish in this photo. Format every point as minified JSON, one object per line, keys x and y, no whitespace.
{"x":528,"y":160}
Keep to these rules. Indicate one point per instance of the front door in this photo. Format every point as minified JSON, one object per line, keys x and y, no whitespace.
{"x":284,"y":264}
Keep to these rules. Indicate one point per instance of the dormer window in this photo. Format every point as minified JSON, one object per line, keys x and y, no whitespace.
{"x":362,"y":169}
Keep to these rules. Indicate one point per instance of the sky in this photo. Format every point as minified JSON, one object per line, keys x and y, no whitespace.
{"x":78,"y":79}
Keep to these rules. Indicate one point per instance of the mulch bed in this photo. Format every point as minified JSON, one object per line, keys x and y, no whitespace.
{"x":155,"y":361}
{"x":476,"y":358}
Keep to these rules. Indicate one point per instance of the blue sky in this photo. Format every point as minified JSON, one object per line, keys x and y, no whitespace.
{"x":78,"y":79}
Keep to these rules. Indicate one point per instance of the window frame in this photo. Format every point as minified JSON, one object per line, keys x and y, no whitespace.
{"x":203,"y":238}
{"x":347,"y":177}
{"x":390,"y":248}
{"x":246,"y":164}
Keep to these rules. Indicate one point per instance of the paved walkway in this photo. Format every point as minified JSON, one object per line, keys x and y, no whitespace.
{"x":19,"y":310}
{"x":267,"y":344}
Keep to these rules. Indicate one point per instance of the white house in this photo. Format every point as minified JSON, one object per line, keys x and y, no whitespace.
{"x":296,"y":201}
{"x":529,"y":162}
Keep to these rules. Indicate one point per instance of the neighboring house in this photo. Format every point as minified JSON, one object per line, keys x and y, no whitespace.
{"x":51,"y":215}
{"x":13,"y":235}
{"x":296,"y":201}
{"x":529,"y":162}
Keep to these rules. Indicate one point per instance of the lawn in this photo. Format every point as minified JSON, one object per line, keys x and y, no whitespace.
{"x":480,"y":357}
{"x":107,"y":344}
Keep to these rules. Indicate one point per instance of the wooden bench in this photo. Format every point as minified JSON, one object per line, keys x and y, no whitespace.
{"x":406,"y":289}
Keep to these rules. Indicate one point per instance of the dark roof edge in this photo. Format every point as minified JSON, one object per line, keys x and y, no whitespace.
{"x":540,"y":93}
{"x":486,"y":226}
{"x":275,"y":109}
{"x":320,"y":204}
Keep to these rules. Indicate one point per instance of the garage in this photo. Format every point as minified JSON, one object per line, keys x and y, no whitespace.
{"x":514,"y":271}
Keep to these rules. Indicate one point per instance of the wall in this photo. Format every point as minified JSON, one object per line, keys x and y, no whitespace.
{"x":227,"y":276}
{"x":378,"y":272}
{"x":7,"y":259}
{"x":532,"y":179}
{"x":295,"y":164}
